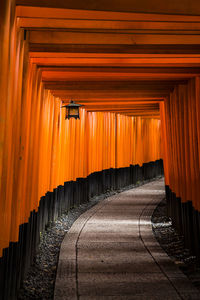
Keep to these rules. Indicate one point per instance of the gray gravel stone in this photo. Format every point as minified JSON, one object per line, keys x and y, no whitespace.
{"x":173,"y":244}
{"x":40,"y":280}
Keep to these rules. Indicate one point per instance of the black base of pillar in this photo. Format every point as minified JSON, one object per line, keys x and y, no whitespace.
{"x":18,"y":257}
{"x":186,"y":220}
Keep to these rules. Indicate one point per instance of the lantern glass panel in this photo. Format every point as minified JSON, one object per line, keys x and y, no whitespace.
{"x":73,"y":111}
{"x":67,"y":112}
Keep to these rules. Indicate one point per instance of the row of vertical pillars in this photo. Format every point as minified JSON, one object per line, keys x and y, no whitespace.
{"x":186,"y":220}
{"x":18,"y":257}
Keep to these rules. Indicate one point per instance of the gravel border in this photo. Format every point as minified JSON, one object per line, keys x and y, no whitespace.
{"x":173,"y":244}
{"x":39,"y":282}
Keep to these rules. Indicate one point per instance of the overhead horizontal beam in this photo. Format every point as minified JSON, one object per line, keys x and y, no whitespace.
{"x":49,"y":12}
{"x":99,"y":94}
{"x":129,"y":112}
{"x":80,"y":24}
{"x":149,"y":115}
{"x":130,"y":70}
{"x":115,"y":49}
{"x":110,"y":101}
{"x":113,"y":85}
{"x":61,"y":55}
{"x":99,"y":76}
{"x":132,"y":113}
{"x":122,"y":84}
{"x":118,"y":94}
{"x":126,"y":10}
{"x":117,"y":62}
{"x":123,"y":107}
{"x":62,"y":37}
{"x":116,"y":74}
{"x":123,"y":104}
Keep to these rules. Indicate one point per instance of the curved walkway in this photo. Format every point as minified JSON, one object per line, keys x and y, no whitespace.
{"x":110,"y":253}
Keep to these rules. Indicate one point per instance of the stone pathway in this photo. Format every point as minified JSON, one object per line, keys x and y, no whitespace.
{"x":110,"y":252}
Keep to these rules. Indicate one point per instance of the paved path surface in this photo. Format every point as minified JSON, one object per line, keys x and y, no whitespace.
{"x":110,"y":253}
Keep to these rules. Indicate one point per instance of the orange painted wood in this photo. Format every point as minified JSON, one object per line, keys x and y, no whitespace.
{"x":46,"y":12}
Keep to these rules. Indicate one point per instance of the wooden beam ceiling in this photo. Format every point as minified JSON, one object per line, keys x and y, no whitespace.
{"x":111,"y":61}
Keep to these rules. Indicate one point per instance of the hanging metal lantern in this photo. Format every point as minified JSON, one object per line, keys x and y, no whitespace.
{"x":72,"y":110}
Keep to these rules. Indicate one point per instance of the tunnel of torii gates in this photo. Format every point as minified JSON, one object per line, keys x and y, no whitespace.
{"x":138,"y":77}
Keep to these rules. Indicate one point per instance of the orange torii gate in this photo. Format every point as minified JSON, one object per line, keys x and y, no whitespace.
{"x":137,"y":76}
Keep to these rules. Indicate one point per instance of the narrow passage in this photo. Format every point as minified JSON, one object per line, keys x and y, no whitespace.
{"x":110,"y":252}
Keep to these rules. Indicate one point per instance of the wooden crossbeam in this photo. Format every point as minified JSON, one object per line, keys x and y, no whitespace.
{"x":63,"y":37}
{"x":111,"y":25}
{"x":117,"y":48}
{"x":117,"y":62}
{"x":113,"y":85}
{"x":48,"y":10}
{"x":112,"y":61}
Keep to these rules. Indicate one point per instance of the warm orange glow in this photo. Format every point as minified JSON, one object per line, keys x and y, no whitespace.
{"x":181,"y":153}
{"x":129,"y":70}
{"x":52,"y":150}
